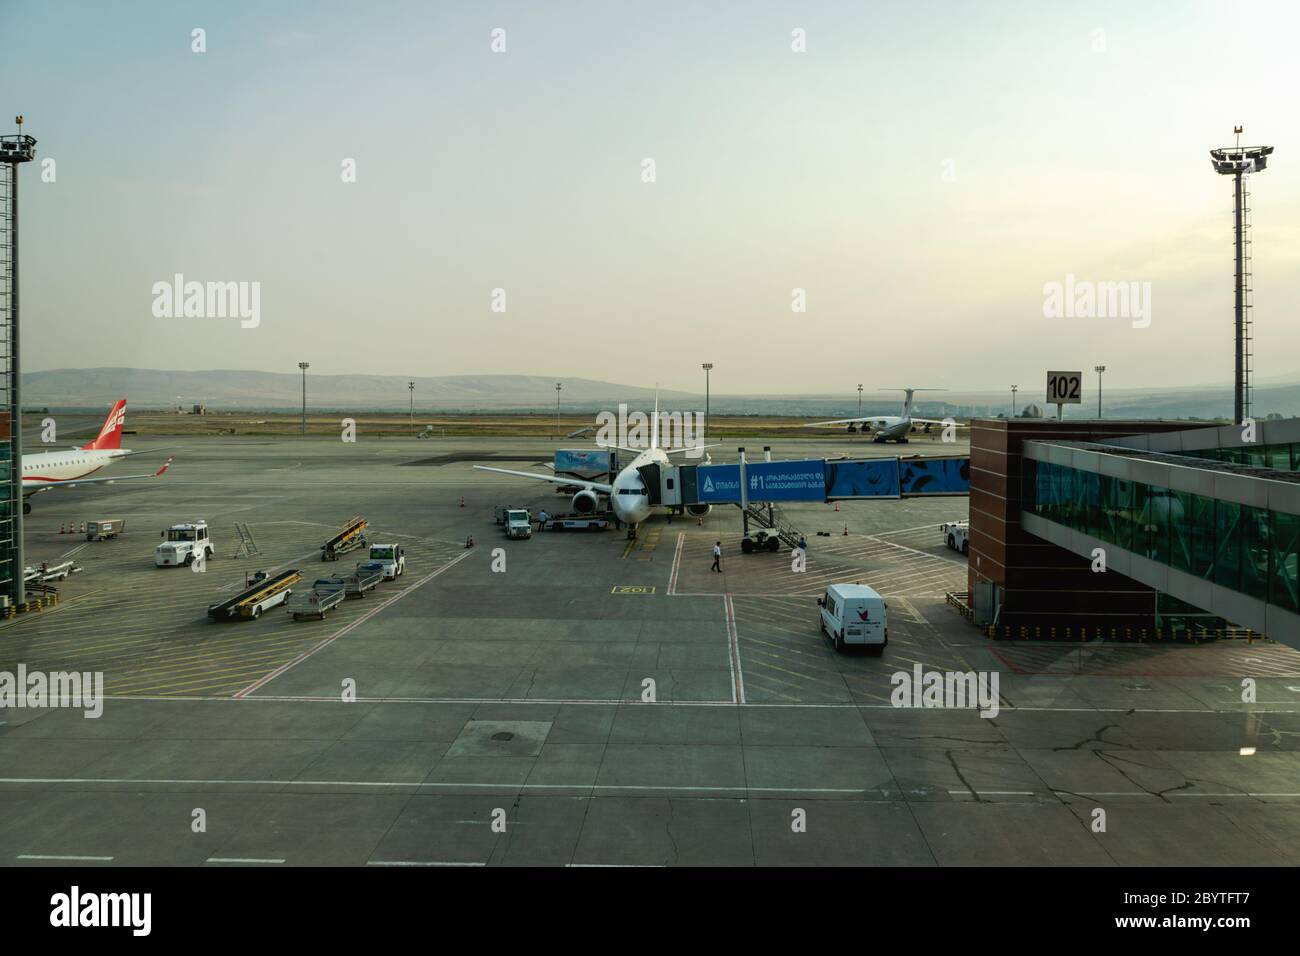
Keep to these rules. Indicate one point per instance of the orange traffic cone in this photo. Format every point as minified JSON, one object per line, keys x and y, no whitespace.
{"x":83,"y":527}
{"x":837,"y":506}
{"x":469,"y":542}
{"x":846,"y":529}
{"x":62,"y":530}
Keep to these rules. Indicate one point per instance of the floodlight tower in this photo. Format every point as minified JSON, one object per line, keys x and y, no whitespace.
{"x":1239,"y":162}
{"x":304,"y":366}
{"x":708,"y":367}
{"x":13,"y":150}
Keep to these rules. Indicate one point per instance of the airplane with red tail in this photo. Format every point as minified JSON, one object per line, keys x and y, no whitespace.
{"x":67,"y":469}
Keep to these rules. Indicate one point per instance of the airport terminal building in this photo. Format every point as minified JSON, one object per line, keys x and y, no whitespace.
{"x":1197,"y":527}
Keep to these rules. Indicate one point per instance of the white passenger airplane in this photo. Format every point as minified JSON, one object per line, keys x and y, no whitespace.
{"x":67,"y":469}
{"x":888,"y":427}
{"x":628,"y":495}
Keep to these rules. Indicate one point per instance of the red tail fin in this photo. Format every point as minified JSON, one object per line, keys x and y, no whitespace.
{"x":110,"y":436}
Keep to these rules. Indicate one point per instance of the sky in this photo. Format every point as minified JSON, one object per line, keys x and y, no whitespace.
{"x":920,"y":171}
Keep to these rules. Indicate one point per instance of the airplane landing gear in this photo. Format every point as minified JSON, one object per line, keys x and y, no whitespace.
{"x":631,"y":532}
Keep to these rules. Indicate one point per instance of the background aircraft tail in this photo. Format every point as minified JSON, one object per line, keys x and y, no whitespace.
{"x":907,"y":397}
{"x":110,"y":435}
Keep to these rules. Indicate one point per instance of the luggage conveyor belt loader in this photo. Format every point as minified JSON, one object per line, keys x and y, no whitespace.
{"x":262,"y":592}
{"x":352,"y":536}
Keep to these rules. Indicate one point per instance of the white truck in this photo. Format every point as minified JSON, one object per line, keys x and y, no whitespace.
{"x":956,"y":535}
{"x":854,"y":615}
{"x":184,"y":544}
{"x":518,"y":523}
{"x":391,"y":558}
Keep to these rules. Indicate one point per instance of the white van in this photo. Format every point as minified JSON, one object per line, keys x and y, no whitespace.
{"x":854,"y":614}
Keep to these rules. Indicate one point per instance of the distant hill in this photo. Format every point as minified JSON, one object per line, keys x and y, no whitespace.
{"x":92,"y":389}
{"x":233,"y":389}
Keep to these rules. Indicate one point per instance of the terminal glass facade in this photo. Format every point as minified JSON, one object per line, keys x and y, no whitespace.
{"x":1251,"y":550}
{"x":1283,"y":457}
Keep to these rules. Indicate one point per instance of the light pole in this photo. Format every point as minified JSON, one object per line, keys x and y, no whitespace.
{"x":558,"y":386}
{"x":411,"y":388}
{"x":1013,"y":400}
{"x":1099,"y":369}
{"x":1240,"y":162}
{"x":708,"y":367}
{"x":859,"y":400}
{"x":304,"y":366}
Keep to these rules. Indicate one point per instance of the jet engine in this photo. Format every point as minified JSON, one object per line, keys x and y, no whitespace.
{"x":586,"y":502}
{"x":698,"y":511}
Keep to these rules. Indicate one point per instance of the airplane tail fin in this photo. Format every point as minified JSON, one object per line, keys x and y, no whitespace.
{"x":110,"y":435}
{"x":907,"y":397}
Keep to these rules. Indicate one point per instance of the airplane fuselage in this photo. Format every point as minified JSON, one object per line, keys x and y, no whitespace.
{"x":65,"y":467}
{"x":630,"y":498}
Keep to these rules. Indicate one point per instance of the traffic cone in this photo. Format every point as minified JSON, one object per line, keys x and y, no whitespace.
{"x":462,"y":501}
{"x":837,"y":506}
{"x":469,"y":542}
{"x":83,"y":527}
{"x":62,"y":530}
{"x":846,"y":529}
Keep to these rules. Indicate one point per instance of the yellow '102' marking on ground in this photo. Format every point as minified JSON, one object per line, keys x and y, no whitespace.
{"x":633,"y":589}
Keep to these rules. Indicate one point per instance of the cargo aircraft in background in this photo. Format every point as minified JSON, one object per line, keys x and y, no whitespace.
{"x":891,"y":427}
{"x":67,"y":469}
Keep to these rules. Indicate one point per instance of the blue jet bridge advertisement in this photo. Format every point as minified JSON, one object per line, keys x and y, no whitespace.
{"x":873,"y":478}
{"x":819,"y":480}
{"x":768,"y":481}
{"x":934,"y":476}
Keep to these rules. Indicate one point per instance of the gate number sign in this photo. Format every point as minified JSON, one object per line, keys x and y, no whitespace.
{"x":1063,"y":388}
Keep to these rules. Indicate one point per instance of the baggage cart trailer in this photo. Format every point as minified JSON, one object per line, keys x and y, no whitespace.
{"x":314,"y":603}
{"x":104,"y":528}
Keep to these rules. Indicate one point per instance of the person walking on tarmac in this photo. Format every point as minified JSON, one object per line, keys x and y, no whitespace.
{"x":717,"y":557}
{"x":542,"y":518}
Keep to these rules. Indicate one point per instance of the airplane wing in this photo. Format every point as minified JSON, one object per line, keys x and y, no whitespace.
{"x":599,"y":486}
{"x":935,"y":421}
{"x":876,"y":422}
{"x":690,"y":448}
{"x":94,"y":481}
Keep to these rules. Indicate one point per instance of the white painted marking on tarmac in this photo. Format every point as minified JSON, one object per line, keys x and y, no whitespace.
{"x":63,"y":856}
{"x":612,"y":701}
{"x":924,"y":554}
{"x":677,"y":561}
{"x":350,"y":627}
{"x":733,"y":651}
{"x":241,"y":859}
{"x":920,"y":527}
{"x":422,"y":863}
{"x":424,"y":785}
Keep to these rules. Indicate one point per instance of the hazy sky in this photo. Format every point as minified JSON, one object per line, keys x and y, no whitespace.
{"x":922,"y":170}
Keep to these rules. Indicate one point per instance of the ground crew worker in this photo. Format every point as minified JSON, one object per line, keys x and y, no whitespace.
{"x":717,"y":557}
{"x":542,"y":518}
